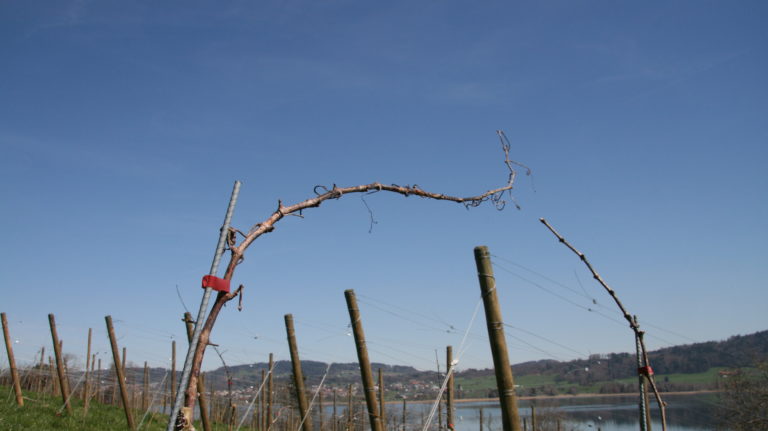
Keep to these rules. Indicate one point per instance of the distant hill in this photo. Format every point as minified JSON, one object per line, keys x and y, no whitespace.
{"x":616,"y":372}
{"x":736,"y":351}
{"x":613,"y":372}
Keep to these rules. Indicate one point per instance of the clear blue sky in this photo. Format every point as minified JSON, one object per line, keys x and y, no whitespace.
{"x":124,"y":125}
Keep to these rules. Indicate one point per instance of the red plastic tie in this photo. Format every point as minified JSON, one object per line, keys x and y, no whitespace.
{"x":645,"y":371}
{"x":216,"y":283}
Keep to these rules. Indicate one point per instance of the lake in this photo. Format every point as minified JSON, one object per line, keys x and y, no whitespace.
{"x":619,"y":413}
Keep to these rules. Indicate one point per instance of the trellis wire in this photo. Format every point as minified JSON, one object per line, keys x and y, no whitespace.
{"x":312,"y":401}
{"x":253,"y":400}
{"x":451,"y":366}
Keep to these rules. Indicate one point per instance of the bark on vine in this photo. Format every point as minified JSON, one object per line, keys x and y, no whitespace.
{"x":237,"y":250}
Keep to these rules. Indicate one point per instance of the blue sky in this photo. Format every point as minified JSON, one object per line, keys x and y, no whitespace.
{"x":123,"y":127}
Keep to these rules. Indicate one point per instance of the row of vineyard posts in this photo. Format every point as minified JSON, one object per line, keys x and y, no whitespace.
{"x":269,"y":408}
{"x":191,"y":385}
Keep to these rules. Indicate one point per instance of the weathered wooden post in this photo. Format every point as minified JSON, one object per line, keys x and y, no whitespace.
{"x":262,"y":403}
{"x":481,"y":419}
{"x":113,"y":398}
{"x":404,"y":413}
{"x":145,"y":391}
{"x":320,"y":412}
{"x":270,"y":391}
{"x":173,"y":369}
{"x":382,"y":406}
{"x":298,"y":376}
{"x":99,"y":392}
{"x":87,"y":369}
{"x":365,"y":364}
{"x":504,"y":381}
{"x":335,"y":415}
{"x":63,"y":381}
{"x":533,"y":417}
{"x":349,"y":408}
{"x":449,"y":387}
{"x":119,"y":369}
{"x":12,"y":362}
{"x":211,"y":398}
{"x":94,"y":389}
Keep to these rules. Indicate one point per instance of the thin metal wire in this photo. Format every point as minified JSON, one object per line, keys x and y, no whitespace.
{"x":312,"y":401}
{"x":152,"y":402}
{"x":253,"y":400}
{"x":450,"y":370}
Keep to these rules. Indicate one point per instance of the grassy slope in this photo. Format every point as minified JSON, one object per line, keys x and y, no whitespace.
{"x":41,"y":413}
{"x":485,"y":383}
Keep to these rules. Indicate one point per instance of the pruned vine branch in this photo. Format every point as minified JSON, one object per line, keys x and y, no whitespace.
{"x":631,"y":319}
{"x":322,"y":194}
{"x":595,"y":275}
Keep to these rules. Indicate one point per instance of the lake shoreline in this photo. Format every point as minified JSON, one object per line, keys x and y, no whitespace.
{"x":561,"y":396}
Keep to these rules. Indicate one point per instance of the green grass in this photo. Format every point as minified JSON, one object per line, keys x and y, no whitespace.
{"x":707,"y":377}
{"x":489,"y":382}
{"x":480,"y":386}
{"x":43,"y":412}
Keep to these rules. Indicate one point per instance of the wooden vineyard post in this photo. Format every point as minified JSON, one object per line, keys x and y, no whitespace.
{"x":439,"y":401}
{"x":119,"y":370}
{"x":365,"y":364}
{"x":349,"y":407}
{"x":382,"y":409}
{"x":173,"y":369}
{"x":298,"y":377}
{"x":405,"y":413}
{"x":211,"y":398}
{"x":91,"y":391}
{"x":202,"y":401}
{"x":262,"y":402}
{"x":504,"y":381}
{"x":63,"y":381}
{"x":270,"y":391}
{"x":145,"y":391}
{"x":533,"y":417}
{"x":449,"y":388}
{"x":100,"y":392}
{"x":87,"y":372}
{"x":335,"y":423}
{"x":320,"y":408}
{"x":125,"y":375}
{"x":12,"y":362}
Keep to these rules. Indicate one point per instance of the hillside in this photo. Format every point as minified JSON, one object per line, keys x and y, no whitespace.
{"x":683,"y":367}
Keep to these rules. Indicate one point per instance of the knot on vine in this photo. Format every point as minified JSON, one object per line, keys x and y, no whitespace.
{"x":335,"y":192}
